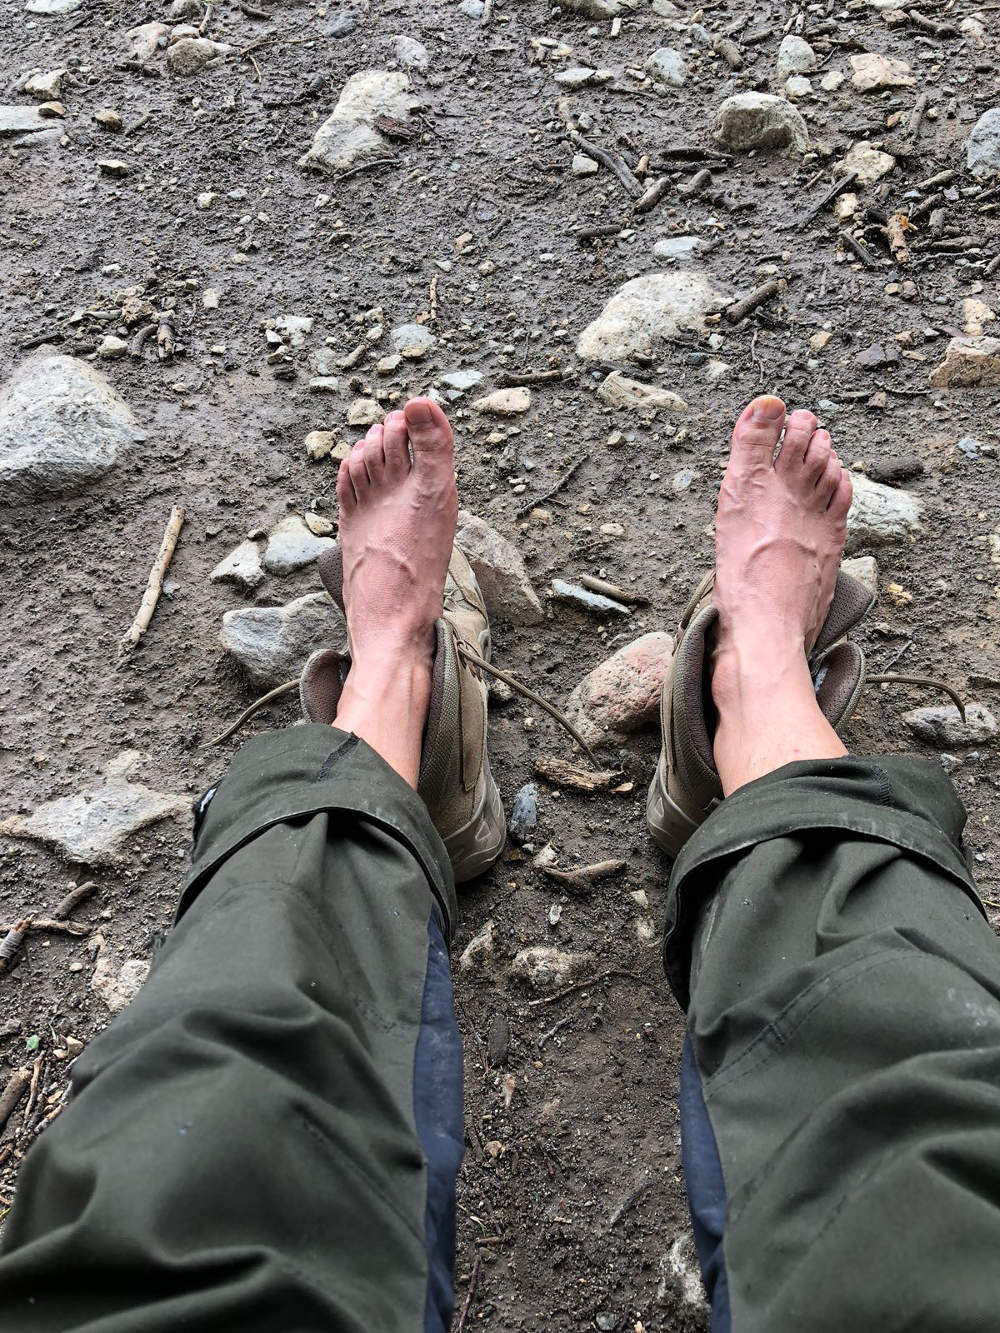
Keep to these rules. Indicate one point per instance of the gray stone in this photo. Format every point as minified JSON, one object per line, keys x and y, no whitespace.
{"x":677,"y":247}
{"x":880,"y":515}
{"x":112,"y":348}
{"x":667,"y":66}
{"x":982,"y":151}
{"x":472,"y":9}
{"x":348,"y":137}
{"x":183,"y":9}
{"x":749,"y":121}
{"x":412,"y":340}
{"x":867,"y":163}
{"x":191,"y":55}
{"x":864,"y":568}
{"x":294,"y":328}
{"x":798,"y":86}
{"x":646,"y":311}
{"x":342,"y":24}
{"x":52,"y":6}
{"x":26,"y":125}
{"x":582,"y":165}
{"x":46,"y":87}
{"x":459,"y":382}
{"x":292,"y":546}
{"x":632,"y":395}
{"x":146,"y":40}
{"x":595,"y":9}
{"x":795,"y":56}
{"x":94,"y":826}
{"x":324,"y":361}
{"x":545,"y":968}
{"x":410,"y":53}
{"x":498,"y":567}
{"x":242,"y":566}
{"x":272,"y":643}
{"x":116,"y":986}
{"x":524,"y":814}
{"x":942,"y":725}
{"x":62,"y":426}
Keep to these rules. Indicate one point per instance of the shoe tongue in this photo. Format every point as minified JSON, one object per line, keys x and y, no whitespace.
{"x":851,"y":602}
{"x":321,"y":684}
{"x":331,"y":571}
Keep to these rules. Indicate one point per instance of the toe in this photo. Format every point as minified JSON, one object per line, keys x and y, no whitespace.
{"x":842,"y":496}
{"x":358,"y":471}
{"x":757,"y":431}
{"x":373,"y":454}
{"x":345,"y":488}
{"x":827,"y":485}
{"x":428,"y":428}
{"x":799,"y":430}
{"x":396,"y":445}
{"x":817,"y":456}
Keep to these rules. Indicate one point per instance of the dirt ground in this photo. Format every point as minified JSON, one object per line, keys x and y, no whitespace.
{"x":572,"y":1211}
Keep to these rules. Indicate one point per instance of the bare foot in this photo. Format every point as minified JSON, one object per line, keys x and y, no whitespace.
{"x":779,"y":538}
{"x":397,"y":529}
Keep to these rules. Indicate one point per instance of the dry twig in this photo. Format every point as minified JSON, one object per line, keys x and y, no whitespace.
{"x":17,"y":1086}
{"x":77,"y":895}
{"x":155,"y":584}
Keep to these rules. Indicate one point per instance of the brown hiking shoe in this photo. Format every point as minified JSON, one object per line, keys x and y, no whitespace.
{"x":455,"y":779}
{"x":686,"y":786}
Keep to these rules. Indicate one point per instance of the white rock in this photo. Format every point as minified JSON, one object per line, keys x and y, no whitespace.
{"x":621,"y":392}
{"x":595,"y":9}
{"x":459,"y":382}
{"x":116,"y":986}
{"x":347,"y":137}
{"x":667,"y":66}
{"x":412,"y":340}
{"x":795,"y":56}
{"x":182,"y":9}
{"x":942,"y":725}
{"x":112,"y":348}
{"x":867,"y":162}
{"x":873,"y":71}
{"x":144,"y":42}
{"x":321,"y":444}
{"x":832,"y":80}
{"x":583,"y":165}
{"x":577,"y":76}
{"x":880,"y":515}
{"x":291,"y":546}
{"x":974,"y":29}
{"x":205,"y":200}
{"x":545,"y":968}
{"x":191,"y":55}
{"x":364,"y":412}
{"x":479,"y":949}
{"x":750,"y":121}
{"x":500,"y":572}
{"x":504,"y":402}
{"x":864,"y":568}
{"x":798,"y":86}
{"x":94,"y":826}
{"x":982,"y":151}
{"x":272,"y":643}
{"x":242,"y":566}
{"x":969,"y":363}
{"x":46,"y":87}
{"x":646,"y":311}
{"x":294,"y":328}
{"x":976,"y":315}
{"x":677,"y":247}
{"x":22,"y":120}
{"x":62,"y":426}
{"x":410,"y":53}
{"x":52,"y":6}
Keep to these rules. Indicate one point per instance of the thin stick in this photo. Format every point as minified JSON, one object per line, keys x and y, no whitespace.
{"x":255,"y":707}
{"x":36,"y":1078}
{"x":765,"y":292}
{"x":861,"y":251}
{"x":583,"y":879}
{"x":917,"y":114}
{"x":366,"y":166}
{"x":550,"y":495}
{"x":614,"y":164}
{"x":434,"y":297}
{"x":652,"y":196}
{"x":927,"y":681}
{"x":17,"y":1086}
{"x":469,"y":1294}
{"x":512,"y":379}
{"x":838,"y":187}
{"x":58,"y":927}
{"x":155,"y":585}
{"x":74,"y":898}
{"x":593,"y":981}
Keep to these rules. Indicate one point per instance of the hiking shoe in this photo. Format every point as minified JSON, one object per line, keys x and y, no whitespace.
{"x":686,"y":787}
{"x":454,"y":779}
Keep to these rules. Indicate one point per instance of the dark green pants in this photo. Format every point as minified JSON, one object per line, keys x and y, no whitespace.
{"x":268,"y":1138}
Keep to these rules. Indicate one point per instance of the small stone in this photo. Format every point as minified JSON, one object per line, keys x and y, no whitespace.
{"x":459,"y":382}
{"x":364,"y":412}
{"x":969,"y":363}
{"x":880,"y":515}
{"x":577,"y":76}
{"x":500,"y":572}
{"x":622,"y":694}
{"x":472,"y":9}
{"x":755,"y":121}
{"x":112,"y":348}
{"x":242,"y":566}
{"x":798,"y":86}
{"x":52,"y":110}
{"x":318,"y":524}
{"x":795,"y":56}
{"x":545,"y":968}
{"x":52,"y":6}
{"x":942,"y":725}
{"x":974,"y":29}
{"x":210,"y":299}
{"x":146,"y":40}
{"x":348,"y":136}
{"x":866,"y":162}
{"x":504,"y":402}
{"x":677,"y":247}
{"x":294,"y":328}
{"x":832,"y":80}
{"x":982,"y":150}
{"x":582,"y":165}
{"x":108,"y":119}
{"x":191,"y":55}
{"x":319,"y":443}
{"x":595,"y":9}
{"x":646,"y":312}
{"x":864,"y":568}
{"x":113,"y":166}
{"x":894,"y":471}
{"x":667,"y":66}
{"x":878,"y":355}
{"x":342,"y":24}
{"x":412,"y":340}
{"x":873,"y":71}
{"x":976,"y":315}
{"x":292,"y":546}
{"x":135,"y":310}
{"x":116,"y":986}
{"x":183,"y":9}
{"x":387,"y":364}
{"x":524,"y":814}
{"x":845,"y":206}
{"x":682,"y":480}
{"x":205,"y":200}
{"x":819,"y":340}
{"x":612,"y":530}
{"x":479,"y":949}
{"x":619,"y":391}
{"x":272,"y":643}
{"x":46,"y":87}
{"x":410,"y":53}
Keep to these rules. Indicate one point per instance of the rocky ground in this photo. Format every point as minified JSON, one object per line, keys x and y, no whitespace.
{"x":237,"y":233}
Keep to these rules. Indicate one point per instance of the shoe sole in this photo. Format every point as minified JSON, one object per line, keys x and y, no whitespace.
{"x":473,"y":848}
{"x":669,"y":826}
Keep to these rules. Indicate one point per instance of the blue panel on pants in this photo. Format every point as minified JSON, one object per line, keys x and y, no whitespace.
{"x":706,"y":1188}
{"x":437,"y":1109}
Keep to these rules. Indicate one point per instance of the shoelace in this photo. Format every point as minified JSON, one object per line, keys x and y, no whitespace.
{"x":929,"y":682}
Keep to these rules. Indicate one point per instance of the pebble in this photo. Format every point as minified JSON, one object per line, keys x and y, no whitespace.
{"x":324,"y":443}
{"x":191,"y":55}
{"x":459,"y":382}
{"x":504,"y":402}
{"x":412,"y":340}
{"x":62,"y":426}
{"x":182,"y":9}
{"x":577,"y":76}
{"x":318,"y":524}
{"x":500,"y":572}
{"x":677,"y":247}
{"x":797,"y":86}
{"x":942,"y":725}
{"x":205,"y":200}
{"x":869,"y":164}
{"x":619,"y":391}
{"x":52,"y":6}
{"x":682,"y":480}
{"x":46,"y":87}
{"x":342,"y":24}
{"x":546,"y":968}
{"x":524,"y":814}
{"x":752,"y":121}
{"x":832,"y":80}
{"x":348,"y":136}
{"x":795,"y":56}
{"x":93,"y":827}
{"x":880,"y":515}
{"x":969,"y":363}
{"x":622,"y":694}
{"x":410,"y":53}
{"x":974,"y":29}
{"x":479,"y":949}
{"x":242,"y":566}
{"x":294,"y":328}
{"x":112,"y":348}
{"x":116,"y":986}
{"x":667,"y":66}
{"x":112,"y":166}
{"x":146,"y":40}
{"x":873,"y":72}
{"x":364,"y":412}
{"x":877,"y":355}
{"x":982,"y":149}
{"x":647,"y":311}
{"x":272,"y":643}
{"x":586,"y":600}
{"x":108,"y":119}
{"x":976,"y":315}
{"x":292,"y":546}
{"x":472,"y":9}
{"x":582,"y":165}
{"x":497,"y":1041}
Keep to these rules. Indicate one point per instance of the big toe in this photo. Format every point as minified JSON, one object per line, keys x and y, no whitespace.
{"x":428,"y":427}
{"x":756,"y":434}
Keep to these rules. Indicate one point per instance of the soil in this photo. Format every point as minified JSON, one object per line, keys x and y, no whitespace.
{"x":572,"y":1210}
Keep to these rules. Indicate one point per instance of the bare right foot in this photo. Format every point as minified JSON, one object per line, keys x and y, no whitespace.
{"x":779,"y":538}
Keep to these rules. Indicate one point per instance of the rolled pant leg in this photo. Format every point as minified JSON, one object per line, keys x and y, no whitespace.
{"x":841,"y":1083}
{"x":268,"y":1138}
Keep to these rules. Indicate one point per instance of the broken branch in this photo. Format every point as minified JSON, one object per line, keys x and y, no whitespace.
{"x":614,"y":164}
{"x":155,"y":584}
{"x":758,"y":297}
{"x":17,"y":1086}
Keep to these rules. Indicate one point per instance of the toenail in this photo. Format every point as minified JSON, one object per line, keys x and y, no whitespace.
{"x":419,"y":414}
{"x":768,"y":409}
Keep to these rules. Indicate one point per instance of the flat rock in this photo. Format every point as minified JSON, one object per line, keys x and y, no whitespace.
{"x":880,"y":515}
{"x":632,"y":395}
{"x":52,"y":6}
{"x":412,"y":340}
{"x":272,"y":643}
{"x":191,"y":55}
{"x":410,"y":53}
{"x":545,"y":968}
{"x":646,"y":311}
{"x":622,"y":694}
{"x":94,"y":826}
{"x":866,"y":162}
{"x":595,"y":9}
{"x":459,"y":382}
{"x":47,"y":86}
{"x":795,"y":56}
{"x":364,"y":412}
{"x":677,"y":247}
{"x":504,"y":402}
{"x":969,"y":363}
{"x":667,"y":66}
{"x":62,"y":426}
{"x":582,"y":165}
{"x":146,"y":40}
{"x":753,"y":121}
{"x":348,"y":137}
{"x":798,"y":86}
{"x":112,"y":348}
{"x":500,"y":571}
{"x":242,"y":566}
{"x":864,"y":568}
{"x":23,"y":122}
{"x":982,"y":149}
{"x":873,"y":71}
{"x":117,"y":985}
{"x":942,"y":725}
{"x":291,"y":546}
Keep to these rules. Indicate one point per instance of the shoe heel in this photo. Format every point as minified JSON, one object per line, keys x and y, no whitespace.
{"x":474,"y":848}
{"x":669,"y":826}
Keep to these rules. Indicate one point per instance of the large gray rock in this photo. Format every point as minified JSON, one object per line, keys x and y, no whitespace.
{"x":943,"y":726}
{"x":291,"y":546}
{"x":795,"y":56}
{"x":749,"y":121}
{"x":500,"y":571}
{"x":26,"y":126}
{"x":272,"y":643}
{"x":93,"y":827}
{"x":62,"y":426}
{"x":880,"y":515}
{"x":646,"y":311}
{"x":982,"y":151}
{"x":348,"y":137}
